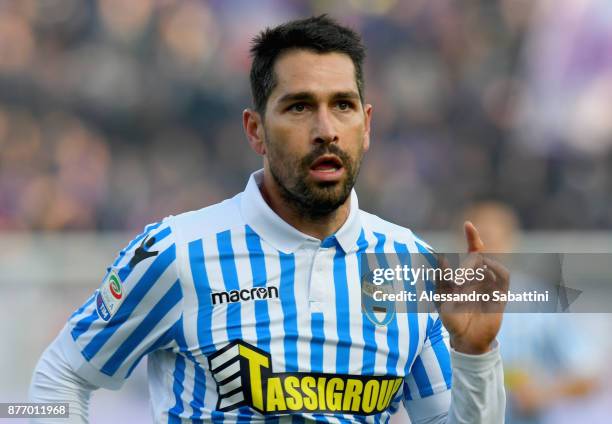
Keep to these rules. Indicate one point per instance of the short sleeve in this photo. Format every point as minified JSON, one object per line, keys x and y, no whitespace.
{"x":427,"y":386}
{"x":135,"y":311}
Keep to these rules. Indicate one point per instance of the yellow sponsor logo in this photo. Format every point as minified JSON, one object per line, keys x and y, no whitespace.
{"x":245,"y":377}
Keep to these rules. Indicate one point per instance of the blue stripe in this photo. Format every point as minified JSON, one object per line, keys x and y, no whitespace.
{"x":441,"y":351}
{"x":368,"y":328}
{"x":287,"y":296}
{"x":430,"y":324}
{"x":165,"y":339}
{"x":316,"y":349}
{"x":137,"y":239}
{"x":126,"y":270}
{"x":413,"y":328}
{"x":155,"y":315}
{"x":157,"y":237}
{"x":428,"y":254}
{"x":258,"y":271}
{"x":407,"y":393}
{"x":133,"y":298}
{"x":177,"y":388}
{"x":160,"y":236}
{"x":84,"y":324}
{"x":230,"y":280}
{"x":413,"y":319}
{"x":419,"y":240}
{"x":204,"y":325}
{"x":421,"y":378}
{"x":318,"y":339}
{"x":202,"y":288}
{"x":430,"y":286}
{"x":392,"y":329}
{"x":343,"y":323}
{"x":199,"y":385}
{"x":199,"y":391}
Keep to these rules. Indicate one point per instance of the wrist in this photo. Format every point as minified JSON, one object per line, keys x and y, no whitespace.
{"x":469,"y":348}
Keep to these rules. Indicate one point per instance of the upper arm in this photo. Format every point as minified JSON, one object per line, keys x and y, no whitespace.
{"x":135,"y":310}
{"x":427,"y":386}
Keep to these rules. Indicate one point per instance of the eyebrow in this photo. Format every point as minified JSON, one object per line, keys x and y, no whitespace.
{"x":308,"y":96}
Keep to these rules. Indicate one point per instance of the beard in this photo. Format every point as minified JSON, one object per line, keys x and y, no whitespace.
{"x":311,"y":199}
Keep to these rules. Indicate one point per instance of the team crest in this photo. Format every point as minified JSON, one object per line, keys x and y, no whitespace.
{"x":379,"y":312}
{"x":110,"y":296}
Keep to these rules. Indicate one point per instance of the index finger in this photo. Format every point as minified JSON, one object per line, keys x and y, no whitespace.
{"x":474,"y":241}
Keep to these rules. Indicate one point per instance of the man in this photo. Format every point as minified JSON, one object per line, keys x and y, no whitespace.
{"x":251,"y":309}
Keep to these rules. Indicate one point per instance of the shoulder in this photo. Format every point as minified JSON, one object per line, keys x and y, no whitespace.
{"x":392,"y":232}
{"x":212,"y":219}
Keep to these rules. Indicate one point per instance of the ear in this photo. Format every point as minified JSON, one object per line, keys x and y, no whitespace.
{"x":367,"y":111}
{"x":253,"y":128}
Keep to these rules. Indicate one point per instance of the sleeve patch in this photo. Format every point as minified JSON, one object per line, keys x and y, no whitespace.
{"x":110,"y":296}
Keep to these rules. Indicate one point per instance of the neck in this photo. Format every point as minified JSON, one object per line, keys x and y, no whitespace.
{"x":320,"y":227}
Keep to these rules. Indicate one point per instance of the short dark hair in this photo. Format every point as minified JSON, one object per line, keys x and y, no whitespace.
{"x":320,"y":34}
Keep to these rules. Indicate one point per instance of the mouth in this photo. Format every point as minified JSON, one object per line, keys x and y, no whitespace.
{"x":327,"y":168}
{"x":326,"y":163}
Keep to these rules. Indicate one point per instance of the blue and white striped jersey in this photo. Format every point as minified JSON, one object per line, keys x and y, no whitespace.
{"x":244,"y":318}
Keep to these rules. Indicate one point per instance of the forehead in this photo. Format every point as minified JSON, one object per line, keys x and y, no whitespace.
{"x":319,"y":73}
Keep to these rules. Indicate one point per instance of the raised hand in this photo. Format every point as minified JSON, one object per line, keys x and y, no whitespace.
{"x":472,"y":326}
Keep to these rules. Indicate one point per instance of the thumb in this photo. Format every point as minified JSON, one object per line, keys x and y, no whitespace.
{"x":474,"y":242}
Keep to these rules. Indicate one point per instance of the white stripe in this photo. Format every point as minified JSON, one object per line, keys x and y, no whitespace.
{"x":245,"y":280}
{"x":224,"y":358}
{"x":412,"y":386}
{"x":380,"y":335}
{"x":228,"y":372}
{"x":218,"y":322}
{"x":215,"y":279}
{"x":226,"y":402}
{"x":356,"y":315}
{"x":190,"y":303}
{"x":300,"y":292}
{"x":330,"y":326}
{"x":188,"y":386}
{"x":275,"y":311}
{"x":231,"y":385}
{"x":432,"y":368}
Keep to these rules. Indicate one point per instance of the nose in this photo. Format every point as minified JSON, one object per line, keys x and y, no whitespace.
{"x":324,"y":129}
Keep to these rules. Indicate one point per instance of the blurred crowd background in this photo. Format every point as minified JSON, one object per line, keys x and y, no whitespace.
{"x":115,"y":113}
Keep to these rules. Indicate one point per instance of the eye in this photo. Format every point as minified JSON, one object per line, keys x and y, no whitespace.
{"x":344,"y":105}
{"x":298,"y":107}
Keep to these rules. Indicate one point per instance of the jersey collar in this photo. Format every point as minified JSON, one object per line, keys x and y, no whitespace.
{"x":282,"y":236}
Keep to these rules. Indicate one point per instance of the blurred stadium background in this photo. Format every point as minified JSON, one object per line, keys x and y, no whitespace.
{"x":114,"y":114}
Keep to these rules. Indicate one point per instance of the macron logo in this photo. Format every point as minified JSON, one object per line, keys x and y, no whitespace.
{"x":255,"y":293}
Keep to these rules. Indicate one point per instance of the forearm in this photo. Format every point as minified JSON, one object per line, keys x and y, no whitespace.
{"x":54,"y":380}
{"x":477,"y":394}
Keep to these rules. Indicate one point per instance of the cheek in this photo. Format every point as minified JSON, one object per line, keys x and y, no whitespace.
{"x":354,"y":140}
{"x":288,"y":141}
